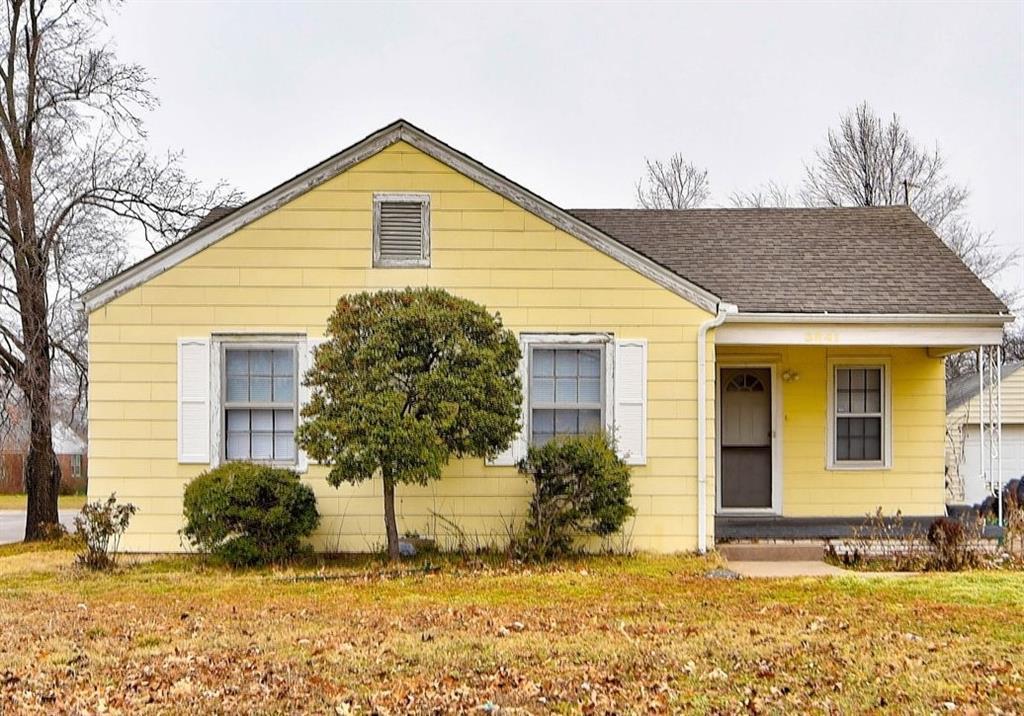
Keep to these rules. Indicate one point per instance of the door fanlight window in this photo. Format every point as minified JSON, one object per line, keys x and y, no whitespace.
{"x":745,"y":383}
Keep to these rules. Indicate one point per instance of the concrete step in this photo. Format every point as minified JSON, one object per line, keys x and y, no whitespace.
{"x":772,"y":551}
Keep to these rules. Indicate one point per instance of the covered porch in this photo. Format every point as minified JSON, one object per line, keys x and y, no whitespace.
{"x":821,"y":419}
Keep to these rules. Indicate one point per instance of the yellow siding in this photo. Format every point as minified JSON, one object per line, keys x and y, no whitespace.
{"x":915,"y":482}
{"x":285,"y":271}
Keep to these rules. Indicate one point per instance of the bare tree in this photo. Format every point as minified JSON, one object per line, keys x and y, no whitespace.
{"x":74,"y":179}
{"x":977,"y":249}
{"x":675,"y":184}
{"x":770,"y":195}
{"x":867,"y":161}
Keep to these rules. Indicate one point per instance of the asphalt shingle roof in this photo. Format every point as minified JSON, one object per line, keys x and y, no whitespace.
{"x":215,"y":214}
{"x":965,"y":387}
{"x":835,"y":260}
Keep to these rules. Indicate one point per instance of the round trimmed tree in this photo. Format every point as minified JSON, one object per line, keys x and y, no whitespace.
{"x":405,"y":381}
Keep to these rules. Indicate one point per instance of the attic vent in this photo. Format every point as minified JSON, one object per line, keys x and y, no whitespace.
{"x":401,"y":229}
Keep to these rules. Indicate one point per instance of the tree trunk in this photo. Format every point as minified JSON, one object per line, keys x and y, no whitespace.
{"x":42,"y":478}
{"x":390,"y":523}
{"x":42,"y":474}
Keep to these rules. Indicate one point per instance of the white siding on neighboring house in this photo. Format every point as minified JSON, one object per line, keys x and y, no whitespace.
{"x":963,"y":456}
{"x":1013,"y":460}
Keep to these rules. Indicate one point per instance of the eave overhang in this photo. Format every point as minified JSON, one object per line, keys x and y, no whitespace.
{"x":941,"y":333}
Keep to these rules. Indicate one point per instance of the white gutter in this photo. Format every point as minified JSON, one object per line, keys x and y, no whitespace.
{"x":724,"y":310}
{"x":987,"y":319}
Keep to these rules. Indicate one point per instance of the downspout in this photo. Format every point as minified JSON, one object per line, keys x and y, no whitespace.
{"x":724,"y":310}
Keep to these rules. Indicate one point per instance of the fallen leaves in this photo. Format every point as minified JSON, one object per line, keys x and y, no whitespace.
{"x":589,"y":639}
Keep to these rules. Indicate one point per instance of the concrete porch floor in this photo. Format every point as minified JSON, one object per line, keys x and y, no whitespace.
{"x":733,"y":528}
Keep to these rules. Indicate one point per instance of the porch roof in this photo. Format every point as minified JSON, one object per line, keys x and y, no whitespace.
{"x":941,"y":334}
{"x":863,"y":260}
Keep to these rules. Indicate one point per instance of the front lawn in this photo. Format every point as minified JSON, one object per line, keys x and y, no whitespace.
{"x":600,"y":635}
{"x":64,"y":502}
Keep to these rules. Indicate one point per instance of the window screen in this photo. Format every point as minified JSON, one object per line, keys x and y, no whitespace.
{"x":260,"y":404}
{"x":566,"y":392}
{"x":859,"y":401}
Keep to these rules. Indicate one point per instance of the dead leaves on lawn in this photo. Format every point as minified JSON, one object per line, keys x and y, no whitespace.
{"x":588,"y":641}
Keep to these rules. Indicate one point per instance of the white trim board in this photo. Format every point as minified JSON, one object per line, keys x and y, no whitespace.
{"x":398,"y":131}
{"x":994,"y":319}
{"x":867,"y":331}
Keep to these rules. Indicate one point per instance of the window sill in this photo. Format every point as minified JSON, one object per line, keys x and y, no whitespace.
{"x":383,"y":263}
{"x":858,"y":467}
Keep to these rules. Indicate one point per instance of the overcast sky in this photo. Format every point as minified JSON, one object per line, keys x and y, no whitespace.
{"x":568,"y":99}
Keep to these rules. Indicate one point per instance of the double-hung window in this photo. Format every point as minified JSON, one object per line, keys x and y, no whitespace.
{"x":579,"y":383}
{"x":566,"y":391}
{"x":859,"y":434}
{"x":260,"y":403}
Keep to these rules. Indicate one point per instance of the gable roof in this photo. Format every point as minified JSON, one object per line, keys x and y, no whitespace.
{"x":835,"y":260}
{"x":205,"y":235}
{"x":854,"y":261}
{"x":965,"y":387}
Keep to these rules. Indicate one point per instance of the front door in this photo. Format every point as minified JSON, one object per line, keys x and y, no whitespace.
{"x":746,"y":438}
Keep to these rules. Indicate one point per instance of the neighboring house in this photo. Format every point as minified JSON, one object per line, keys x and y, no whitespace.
{"x":963,"y":434}
{"x":72,"y":456}
{"x":820,"y":393}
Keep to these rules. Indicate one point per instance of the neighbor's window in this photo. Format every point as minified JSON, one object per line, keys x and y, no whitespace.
{"x":76,"y":466}
{"x":260,"y":397}
{"x":566,"y":391}
{"x":401,"y":230}
{"x":860,"y":407}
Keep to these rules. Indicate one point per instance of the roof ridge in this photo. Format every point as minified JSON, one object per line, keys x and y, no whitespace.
{"x":398,"y":131}
{"x":696,"y":209}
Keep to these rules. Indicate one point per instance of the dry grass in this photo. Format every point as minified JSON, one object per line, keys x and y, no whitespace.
{"x":64,"y":502}
{"x":604,"y":635}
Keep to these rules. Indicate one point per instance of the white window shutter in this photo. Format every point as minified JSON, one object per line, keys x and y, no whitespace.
{"x":517,"y":450}
{"x":194,"y":400}
{"x":306,"y":350}
{"x":631,"y":400}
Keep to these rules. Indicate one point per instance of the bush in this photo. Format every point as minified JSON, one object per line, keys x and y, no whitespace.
{"x":581,"y":488}
{"x":1013,"y":538}
{"x":100,"y":525}
{"x":885,"y":544}
{"x":953,"y":546}
{"x":882,"y":543}
{"x":248,"y":515}
{"x":1013,"y":499}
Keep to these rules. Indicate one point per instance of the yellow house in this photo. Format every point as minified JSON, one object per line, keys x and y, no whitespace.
{"x":755,"y":364}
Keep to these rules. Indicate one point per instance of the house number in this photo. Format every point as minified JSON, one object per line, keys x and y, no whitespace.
{"x":821,"y":337}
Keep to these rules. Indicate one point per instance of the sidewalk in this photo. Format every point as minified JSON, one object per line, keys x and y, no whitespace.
{"x":782,"y":570}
